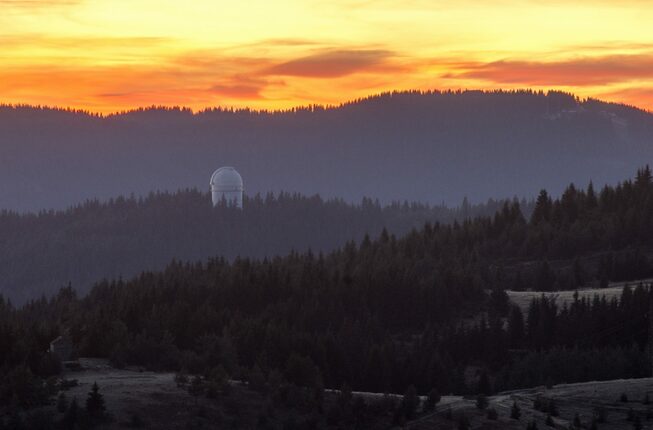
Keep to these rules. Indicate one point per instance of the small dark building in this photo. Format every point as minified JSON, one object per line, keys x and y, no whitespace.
{"x":62,"y":348}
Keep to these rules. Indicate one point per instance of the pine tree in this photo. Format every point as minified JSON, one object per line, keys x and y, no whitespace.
{"x":542,"y":211}
{"x":410,"y":402}
{"x":95,"y":402}
{"x":643,"y":177}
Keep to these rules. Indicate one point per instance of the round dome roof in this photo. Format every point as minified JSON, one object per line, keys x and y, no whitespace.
{"x":226,"y":179}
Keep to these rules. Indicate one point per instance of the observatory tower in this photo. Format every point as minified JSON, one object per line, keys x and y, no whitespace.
{"x":226,"y":183}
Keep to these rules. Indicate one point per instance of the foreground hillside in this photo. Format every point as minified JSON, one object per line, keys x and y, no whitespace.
{"x":428,"y":147}
{"x":135,"y":398}
{"x":425,"y":313}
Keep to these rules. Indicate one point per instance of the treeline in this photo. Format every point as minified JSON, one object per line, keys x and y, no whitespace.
{"x":41,"y":252}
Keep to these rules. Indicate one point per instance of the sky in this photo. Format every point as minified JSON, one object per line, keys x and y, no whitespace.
{"x":113,"y":55}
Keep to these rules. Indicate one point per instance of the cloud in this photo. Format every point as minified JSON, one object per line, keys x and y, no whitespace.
{"x":75,"y":44}
{"x":573,"y":72}
{"x":332,"y":64}
{"x":635,"y":96}
{"x":240,"y":87}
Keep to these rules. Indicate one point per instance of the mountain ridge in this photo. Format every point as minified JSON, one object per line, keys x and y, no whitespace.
{"x":416,"y":146}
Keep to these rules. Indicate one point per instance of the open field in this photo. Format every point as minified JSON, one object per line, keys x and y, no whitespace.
{"x":524,"y":298}
{"x":584,"y":399}
{"x":152,"y":396}
{"x":156,"y":399}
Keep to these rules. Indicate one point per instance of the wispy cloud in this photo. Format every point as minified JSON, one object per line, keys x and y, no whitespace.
{"x":573,"y":72}
{"x":331,"y":64}
{"x":641,"y":96}
{"x":74,"y":44}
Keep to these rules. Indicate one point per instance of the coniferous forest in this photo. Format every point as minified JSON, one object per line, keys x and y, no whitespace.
{"x":42,"y":252}
{"x":383,"y":314}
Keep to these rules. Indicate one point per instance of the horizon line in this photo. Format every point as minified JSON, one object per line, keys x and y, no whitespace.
{"x":311,"y":106}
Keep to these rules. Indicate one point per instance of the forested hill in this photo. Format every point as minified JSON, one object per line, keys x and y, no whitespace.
{"x":429,"y":147}
{"x":40,"y":252}
{"x":381,"y":314}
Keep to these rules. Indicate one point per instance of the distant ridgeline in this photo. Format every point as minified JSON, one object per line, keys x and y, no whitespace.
{"x":40,"y":253}
{"x":415,"y":146}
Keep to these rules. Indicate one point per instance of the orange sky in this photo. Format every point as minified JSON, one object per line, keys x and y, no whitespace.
{"x":111,"y":55}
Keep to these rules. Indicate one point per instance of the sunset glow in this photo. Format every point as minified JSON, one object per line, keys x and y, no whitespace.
{"x":107,"y":56}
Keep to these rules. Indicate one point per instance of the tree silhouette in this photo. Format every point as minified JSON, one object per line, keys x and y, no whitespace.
{"x":95,"y":402}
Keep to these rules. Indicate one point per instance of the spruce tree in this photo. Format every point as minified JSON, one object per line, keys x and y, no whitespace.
{"x":95,"y":402}
{"x":410,"y":402}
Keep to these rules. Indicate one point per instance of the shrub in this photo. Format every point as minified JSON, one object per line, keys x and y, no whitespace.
{"x":515,"y":411}
{"x":196,"y":387}
{"x":481,"y":401}
{"x":181,"y":378}
{"x":601,"y":415}
{"x":432,"y":400}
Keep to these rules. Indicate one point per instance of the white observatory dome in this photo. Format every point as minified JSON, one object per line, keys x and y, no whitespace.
{"x":226,"y":183}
